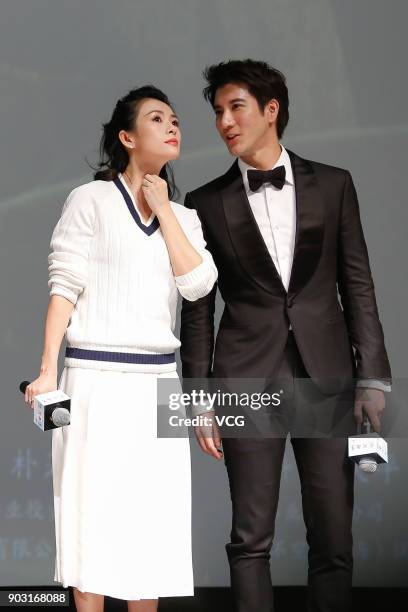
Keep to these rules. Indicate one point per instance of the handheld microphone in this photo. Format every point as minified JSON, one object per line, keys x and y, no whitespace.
{"x":367,"y":449}
{"x":51,"y":409}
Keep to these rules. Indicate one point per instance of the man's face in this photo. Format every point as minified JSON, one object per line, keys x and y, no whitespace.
{"x":239,"y":120}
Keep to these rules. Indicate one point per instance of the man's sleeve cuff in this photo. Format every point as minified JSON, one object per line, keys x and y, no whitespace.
{"x":372,"y":383}
{"x":197,"y":409}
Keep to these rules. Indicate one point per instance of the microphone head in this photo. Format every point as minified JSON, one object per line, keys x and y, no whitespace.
{"x":60,"y":417}
{"x":367,"y":465}
{"x":23,"y":386}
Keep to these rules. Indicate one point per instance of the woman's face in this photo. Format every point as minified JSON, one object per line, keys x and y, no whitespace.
{"x":156,"y":136}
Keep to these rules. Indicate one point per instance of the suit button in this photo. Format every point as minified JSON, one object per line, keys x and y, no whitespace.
{"x":289,"y":303}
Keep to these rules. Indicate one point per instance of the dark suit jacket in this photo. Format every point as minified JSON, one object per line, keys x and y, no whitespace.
{"x":330,"y":261}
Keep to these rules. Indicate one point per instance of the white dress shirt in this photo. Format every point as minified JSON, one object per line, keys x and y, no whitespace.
{"x":275,"y":213}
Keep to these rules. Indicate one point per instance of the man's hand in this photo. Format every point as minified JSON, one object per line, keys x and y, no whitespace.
{"x":208,"y":435}
{"x":372,"y":401}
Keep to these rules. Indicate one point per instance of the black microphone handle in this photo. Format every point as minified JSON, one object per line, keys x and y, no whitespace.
{"x":23,"y":385}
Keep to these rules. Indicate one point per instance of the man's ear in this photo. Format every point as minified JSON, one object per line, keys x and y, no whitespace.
{"x":272,"y":110}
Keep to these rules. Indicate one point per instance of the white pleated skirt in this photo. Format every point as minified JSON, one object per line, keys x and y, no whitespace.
{"x":122,"y":496}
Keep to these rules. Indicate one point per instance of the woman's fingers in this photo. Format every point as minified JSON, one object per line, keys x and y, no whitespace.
{"x":42,"y":384}
{"x":150,"y":178}
{"x":29,"y":395}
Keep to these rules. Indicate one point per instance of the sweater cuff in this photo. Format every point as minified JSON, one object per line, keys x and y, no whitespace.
{"x":198,"y":282}
{"x":64,"y":292}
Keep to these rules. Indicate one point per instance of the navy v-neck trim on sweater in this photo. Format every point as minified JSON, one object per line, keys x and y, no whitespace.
{"x":147,"y":229}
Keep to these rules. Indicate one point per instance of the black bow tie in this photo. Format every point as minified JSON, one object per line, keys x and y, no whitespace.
{"x":256,"y":178}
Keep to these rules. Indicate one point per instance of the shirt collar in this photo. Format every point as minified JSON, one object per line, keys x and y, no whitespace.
{"x":283,"y":160}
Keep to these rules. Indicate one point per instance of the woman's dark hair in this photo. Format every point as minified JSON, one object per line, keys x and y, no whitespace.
{"x":262,"y":81}
{"x":113,"y":155}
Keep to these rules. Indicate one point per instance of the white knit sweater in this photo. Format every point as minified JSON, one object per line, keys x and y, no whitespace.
{"x":116,"y":270}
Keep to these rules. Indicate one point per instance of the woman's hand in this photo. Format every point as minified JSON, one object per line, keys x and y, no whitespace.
{"x":43,"y":384}
{"x":156,"y":193}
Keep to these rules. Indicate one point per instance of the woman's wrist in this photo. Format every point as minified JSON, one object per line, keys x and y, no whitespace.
{"x":49,"y":368}
{"x":164,"y":212}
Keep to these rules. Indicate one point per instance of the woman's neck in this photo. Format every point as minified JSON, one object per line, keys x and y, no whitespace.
{"x":134,"y":175}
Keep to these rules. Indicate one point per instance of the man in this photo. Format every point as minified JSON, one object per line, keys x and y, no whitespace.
{"x":286,"y":243}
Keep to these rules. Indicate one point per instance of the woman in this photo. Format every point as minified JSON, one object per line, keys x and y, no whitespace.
{"x":119,"y":253}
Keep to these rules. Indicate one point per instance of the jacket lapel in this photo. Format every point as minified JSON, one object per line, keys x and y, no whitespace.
{"x":245,"y":235}
{"x":247,"y":239}
{"x":310,"y":216}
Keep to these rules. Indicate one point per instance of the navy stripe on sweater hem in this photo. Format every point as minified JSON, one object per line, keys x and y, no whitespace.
{"x":138,"y":358}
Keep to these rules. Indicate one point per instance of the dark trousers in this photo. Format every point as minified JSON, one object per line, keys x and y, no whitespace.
{"x":327,"y":479}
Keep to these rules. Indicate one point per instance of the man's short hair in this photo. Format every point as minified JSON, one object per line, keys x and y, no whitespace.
{"x":262,"y":81}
